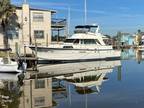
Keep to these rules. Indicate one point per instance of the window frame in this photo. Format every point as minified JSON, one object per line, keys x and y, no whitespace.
{"x":38,"y":17}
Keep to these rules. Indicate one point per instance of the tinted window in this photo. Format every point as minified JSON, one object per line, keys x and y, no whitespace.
{"x":89,"y":41}
{"x":76,"y":41}
{"x":69,"y":41}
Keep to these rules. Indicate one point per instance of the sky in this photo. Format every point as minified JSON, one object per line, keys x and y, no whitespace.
{"x":111,"y":15}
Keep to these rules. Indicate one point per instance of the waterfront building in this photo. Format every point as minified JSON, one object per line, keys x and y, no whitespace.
{"x":35,"y":27}
{"x":139,"y":38}
{"x":126,"y":39}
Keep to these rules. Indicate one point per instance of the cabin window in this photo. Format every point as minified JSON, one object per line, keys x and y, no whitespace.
{"x":76,"y":41}
{"x":89,"y":41}
{"x":69,"y":41}
{"x":67,"y":46}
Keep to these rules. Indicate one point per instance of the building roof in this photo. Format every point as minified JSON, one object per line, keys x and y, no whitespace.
{"x":37,"y":9}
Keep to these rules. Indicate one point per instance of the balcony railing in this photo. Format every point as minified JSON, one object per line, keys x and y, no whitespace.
{"x":58,"y":23}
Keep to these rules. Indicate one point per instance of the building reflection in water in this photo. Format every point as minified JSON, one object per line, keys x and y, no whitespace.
{"x":135,"y":54}
{"x":37,"y":93}
{"x":127,"y":54}
{"x":40,"y":90}
{"x":139,"y":56}
{"x":10,"y":90}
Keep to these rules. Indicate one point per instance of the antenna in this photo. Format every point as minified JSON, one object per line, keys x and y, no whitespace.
{"x":85,"y":12}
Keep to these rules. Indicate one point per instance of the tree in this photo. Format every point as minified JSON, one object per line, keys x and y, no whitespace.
{"x":8,"y":19}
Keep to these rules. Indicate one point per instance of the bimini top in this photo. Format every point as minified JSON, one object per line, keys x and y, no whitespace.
{"x":86,"y":26}
{"x":86,"y":29}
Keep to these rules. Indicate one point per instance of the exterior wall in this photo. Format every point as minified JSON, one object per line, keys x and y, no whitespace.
{"x":31,"y":93}
{"x":45,"y":25}
{"x":26,"y":32}
{"x":138,"y":39}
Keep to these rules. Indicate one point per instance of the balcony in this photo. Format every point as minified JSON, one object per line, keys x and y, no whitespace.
{"x":58,"y":23}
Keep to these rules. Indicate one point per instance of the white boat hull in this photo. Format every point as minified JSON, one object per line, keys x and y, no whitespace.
{"x":75,"y":54}
{"x":9,"y":68}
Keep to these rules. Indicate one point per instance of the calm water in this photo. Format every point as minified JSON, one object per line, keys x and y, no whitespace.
{"x":100,"y":84}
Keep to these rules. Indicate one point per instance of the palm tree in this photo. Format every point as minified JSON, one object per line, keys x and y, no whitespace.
{"x":7,"y":18}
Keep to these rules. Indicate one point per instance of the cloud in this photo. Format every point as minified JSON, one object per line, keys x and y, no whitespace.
{"x":48,"y":3}
{"x":80,"y":10}
{"x":130,"y":16}
{"x":89,"y":11}
{"x":44,"y":3}
{"x":124,"y":8}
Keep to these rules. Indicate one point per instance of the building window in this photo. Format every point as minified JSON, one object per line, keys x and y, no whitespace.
{"x":38,"y":17}
{"x":39,"y":84}
{"x":39,"y":34}
{"x":39,"y":101}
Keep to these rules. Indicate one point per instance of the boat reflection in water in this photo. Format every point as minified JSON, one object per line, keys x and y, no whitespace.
{"x":46,"y":90}
{"x":90,"y":76}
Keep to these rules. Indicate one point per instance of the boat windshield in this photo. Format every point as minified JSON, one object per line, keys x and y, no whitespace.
{"x":93,"y":29}
{"x":85,"y":29}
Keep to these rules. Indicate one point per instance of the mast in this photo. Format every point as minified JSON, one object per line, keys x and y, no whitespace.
{"x":25,"y":1}
{"x":85,"y":11}
{"x":69,"y":15}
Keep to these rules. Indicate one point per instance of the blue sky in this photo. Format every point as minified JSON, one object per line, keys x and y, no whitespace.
{"x":111,"y":15}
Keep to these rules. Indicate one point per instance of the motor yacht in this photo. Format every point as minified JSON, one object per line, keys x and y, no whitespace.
{"x":86,"y":43}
